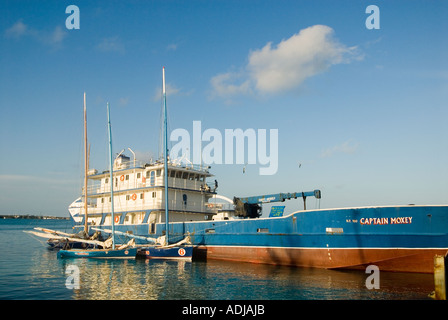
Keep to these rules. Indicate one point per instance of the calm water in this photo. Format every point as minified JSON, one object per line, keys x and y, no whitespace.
{"x":28,"y":270}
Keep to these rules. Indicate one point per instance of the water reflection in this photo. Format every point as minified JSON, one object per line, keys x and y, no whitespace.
{"x":29,"y":271}
{"x":162,"y":280}
{"x":279,"y":282}
{"x":42,"y":276}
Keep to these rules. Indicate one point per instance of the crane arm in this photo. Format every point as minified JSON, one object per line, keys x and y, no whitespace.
{"x":251,"y":206}
{"x":280,"y":197}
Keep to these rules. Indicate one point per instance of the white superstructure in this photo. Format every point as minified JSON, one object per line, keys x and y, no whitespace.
{"x":139,"y":194}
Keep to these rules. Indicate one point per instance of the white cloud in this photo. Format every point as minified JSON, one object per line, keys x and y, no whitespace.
{"x":305,"y":54}
{"x":58,"y":35}
{"x":171,"y":90}
{"x":348,"y":147}
{"x":17,"y":30}
{"x":172,"y":47}
{"x":111,"y":44}
{"x":20,"y":30}
{"x":123,"y":102}
{"x":277,"y":68}
{"x":224,"y":84}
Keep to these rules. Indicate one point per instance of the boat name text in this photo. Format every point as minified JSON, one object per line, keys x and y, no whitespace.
{"x":381,"y":221}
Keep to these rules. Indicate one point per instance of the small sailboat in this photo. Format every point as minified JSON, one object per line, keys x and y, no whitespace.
{"x":81,"y":240}
{"x":110,"y":251}
{"x":62,"y":240}
{"x":181,"y":250}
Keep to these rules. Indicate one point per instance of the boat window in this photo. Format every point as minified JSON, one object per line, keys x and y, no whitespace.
{"x":172,"y":173}
{"x":152,"y":179}
{"x":142,"y":195}
{"x":159,"y":172}
{"x":178,"y":174}
{"x":106,"y":180}
{"x":128,"y":197}
{"x":184,"y":199}
{"x":127,"y":177}
{"x":154,"y":194}
{"x":139,"y":175}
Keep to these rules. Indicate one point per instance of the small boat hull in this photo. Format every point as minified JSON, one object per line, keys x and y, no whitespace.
{"x":128,"y":253}
{"x":176,"y":253}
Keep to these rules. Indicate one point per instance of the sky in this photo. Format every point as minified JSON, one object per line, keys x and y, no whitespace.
{"x":361,"y":112}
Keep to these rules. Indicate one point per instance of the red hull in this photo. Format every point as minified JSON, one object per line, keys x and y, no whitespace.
{"x":386,"y":259}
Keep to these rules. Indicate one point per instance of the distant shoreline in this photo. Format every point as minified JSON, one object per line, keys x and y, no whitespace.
{"x":30,"y":216}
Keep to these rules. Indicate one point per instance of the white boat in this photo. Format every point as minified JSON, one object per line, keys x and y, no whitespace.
{"x":139,"y":197}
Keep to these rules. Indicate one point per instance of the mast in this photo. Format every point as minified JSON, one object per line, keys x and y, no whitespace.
{"x":111,"y":178}
{"x":86,"y":167}
{"x":165,"y":131}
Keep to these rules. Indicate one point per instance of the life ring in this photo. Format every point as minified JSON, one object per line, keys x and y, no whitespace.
{"x":117,"y":219}
{"x":134,"y":197}
{"x":122,"y":178}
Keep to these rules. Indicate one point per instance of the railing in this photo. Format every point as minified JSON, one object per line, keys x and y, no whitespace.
{"x":197,"y":167}
{"x":98,"y":188}
{"x":174,"y":205}
{"x":172,"y":163}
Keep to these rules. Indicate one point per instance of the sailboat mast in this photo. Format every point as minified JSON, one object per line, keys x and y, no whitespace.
{"x":111,"y":178}
{"x":165,"y":133}
{"x":86,"y":167}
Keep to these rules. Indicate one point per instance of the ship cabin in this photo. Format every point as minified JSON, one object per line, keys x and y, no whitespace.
{"x":139,"y":193}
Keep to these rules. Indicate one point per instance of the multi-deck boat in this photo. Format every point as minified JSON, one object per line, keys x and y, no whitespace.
{"x":395,"y":238}
{"x":139,"y":195}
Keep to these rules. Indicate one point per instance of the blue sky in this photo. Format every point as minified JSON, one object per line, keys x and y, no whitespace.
{"x":364,"y":112}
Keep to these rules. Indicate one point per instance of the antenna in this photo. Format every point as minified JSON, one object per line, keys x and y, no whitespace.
{"x":165,"y":127}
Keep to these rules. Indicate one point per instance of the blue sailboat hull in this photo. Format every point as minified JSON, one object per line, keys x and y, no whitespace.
{"x":178,"y":253}
{"x":128,"y":253}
